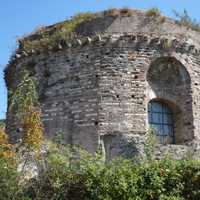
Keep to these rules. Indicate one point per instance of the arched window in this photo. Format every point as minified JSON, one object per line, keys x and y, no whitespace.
{"x":160,"y":118}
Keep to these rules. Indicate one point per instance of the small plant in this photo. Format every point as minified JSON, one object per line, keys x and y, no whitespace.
{"x":53,"y":37}
{"x":2,"y":123}
{"x":185,"y":20}
{"x":126,"y":12}
{"x":167,"y":44}
{"x":162,"y":19}
{"x":149,"y":147}
{"x":33,"y":130}
{"x":153,"y":12}
{"x":5,"y":148}
{"x":112,"y":12}
{"x":9,"y":181}
{"x":59,"y":138}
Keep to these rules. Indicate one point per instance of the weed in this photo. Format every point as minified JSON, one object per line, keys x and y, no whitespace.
{"x":113,"y":12}
{"x":185,"y":20}
{"x":126,"y":12}
{"x":50,"y":38}
{"x":153,"y":12}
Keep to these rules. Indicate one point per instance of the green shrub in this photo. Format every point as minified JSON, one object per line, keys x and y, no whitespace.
{"x":150,"y":143}
{"x":73,"y":174}
{"x":88,"y":177}
{"x":153,"y":12}
{"x":9,"y":184}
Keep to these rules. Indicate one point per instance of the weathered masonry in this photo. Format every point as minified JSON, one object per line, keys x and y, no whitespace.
{"x":119,"y":76}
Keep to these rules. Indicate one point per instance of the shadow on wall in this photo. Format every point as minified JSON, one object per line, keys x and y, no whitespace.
{"x":123,"y":144}
{"x":97,"y":25}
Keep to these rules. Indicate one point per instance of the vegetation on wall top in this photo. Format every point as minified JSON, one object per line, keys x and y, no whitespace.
{"x":56,"y":36}
{"x":185,"y":20}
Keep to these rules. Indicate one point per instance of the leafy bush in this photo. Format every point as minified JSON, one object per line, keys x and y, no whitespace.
{"x":88,"y":177}
{"x":73,"y":174}
{"x":9,"y":185}
{"x":5,"y":148}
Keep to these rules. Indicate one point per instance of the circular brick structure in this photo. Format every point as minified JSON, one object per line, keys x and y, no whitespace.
{"x":96,"y":88}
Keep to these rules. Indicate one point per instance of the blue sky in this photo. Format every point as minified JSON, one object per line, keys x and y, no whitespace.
{"x":20,"y":17}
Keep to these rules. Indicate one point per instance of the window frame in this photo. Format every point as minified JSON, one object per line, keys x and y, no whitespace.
{"x":163,"y":111}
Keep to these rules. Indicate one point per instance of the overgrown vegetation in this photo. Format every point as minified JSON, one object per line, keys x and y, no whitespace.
{"x":66,"y":172}
{"x":45,"y":39}
{"x":5,"y":148}
{"x":54,"y":37}
{"x":149,"y":147}
{"x":2,"y":122}
{"x":89,"y":178}
{"x":185,"y":20}
{"x":71,"y":173}
{"x":24,"y":103}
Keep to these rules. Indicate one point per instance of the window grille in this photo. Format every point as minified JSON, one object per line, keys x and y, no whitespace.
{"x":160,"y":118}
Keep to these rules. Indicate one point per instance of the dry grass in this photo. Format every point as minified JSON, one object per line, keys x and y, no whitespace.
{"x":126,"y":12}
{"x":162,"y":19}
{"x":113,"y":12}
{"x":153,"y":12}
{"x":50,"y":38}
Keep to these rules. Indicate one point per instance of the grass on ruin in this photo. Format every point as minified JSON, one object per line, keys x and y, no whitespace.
{"x":184,"y":19}
{"x":54,"y":37}
{"x":153,"y":12}
{"x":114,"y":12}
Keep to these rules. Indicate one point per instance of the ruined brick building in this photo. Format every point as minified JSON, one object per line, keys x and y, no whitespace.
{"x":122,"y":72}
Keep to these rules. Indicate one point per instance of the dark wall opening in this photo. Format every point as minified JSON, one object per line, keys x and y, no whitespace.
{"x":170,"y":83}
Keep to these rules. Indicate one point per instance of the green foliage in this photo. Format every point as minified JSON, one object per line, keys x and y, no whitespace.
{"x":71,"y":173}
{"x":5,"y":147}
{"x":24,"y":104}
{"x":54,"y":37}
{"x":149,"y":147}
{"x":60,"y":178}
{"x":9,"y":185}
{"x":33,"y":130}
{"x":2,"y":123}
{"x":24,"y":98}
{"x":185,"y":20}
{"x":153,"y":12}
